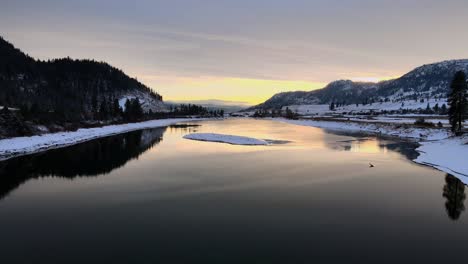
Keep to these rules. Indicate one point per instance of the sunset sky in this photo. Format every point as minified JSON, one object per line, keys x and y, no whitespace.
{"x":242,"y":50}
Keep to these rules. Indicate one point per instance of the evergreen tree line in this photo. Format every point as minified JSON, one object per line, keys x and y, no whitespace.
{"x":105,"y":110}
{"x":133,"y":110}
{"x":193,"y":109}
{"x":287,"y":113}
{"x":436,"y":109}
{"x":65,"y":89}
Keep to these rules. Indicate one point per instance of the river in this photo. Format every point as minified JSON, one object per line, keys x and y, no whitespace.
{"x":151,"y":196}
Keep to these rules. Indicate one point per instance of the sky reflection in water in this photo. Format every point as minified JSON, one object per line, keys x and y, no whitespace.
{"x":152,"y":195}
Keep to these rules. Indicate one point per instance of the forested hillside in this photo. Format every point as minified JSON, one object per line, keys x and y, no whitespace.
{"x":67,"y":89}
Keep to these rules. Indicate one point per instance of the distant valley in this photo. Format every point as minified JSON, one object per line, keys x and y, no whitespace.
{"x":213,"y":104}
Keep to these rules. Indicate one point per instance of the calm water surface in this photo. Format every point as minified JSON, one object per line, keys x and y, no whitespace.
{"x":153,"y":197}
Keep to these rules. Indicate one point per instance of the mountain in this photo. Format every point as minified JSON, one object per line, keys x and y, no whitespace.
{"x":73,"y":88}
{"x":429,"y":81}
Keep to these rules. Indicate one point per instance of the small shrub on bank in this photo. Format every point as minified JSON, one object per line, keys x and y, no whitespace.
{"x":421,"y":122}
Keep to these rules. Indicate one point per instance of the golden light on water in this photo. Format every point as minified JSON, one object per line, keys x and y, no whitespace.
{"x":367,"y":146}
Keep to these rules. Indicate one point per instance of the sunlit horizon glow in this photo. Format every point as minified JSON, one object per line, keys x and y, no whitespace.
{"x":242,"y":50}
{"x":228,"y":89}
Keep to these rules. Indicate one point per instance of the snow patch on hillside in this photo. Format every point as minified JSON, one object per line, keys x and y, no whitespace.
{"x":124,"y":99}
{"x":147,"y":102}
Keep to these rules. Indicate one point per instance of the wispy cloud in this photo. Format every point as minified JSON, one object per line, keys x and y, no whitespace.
{"x":243,"y":49}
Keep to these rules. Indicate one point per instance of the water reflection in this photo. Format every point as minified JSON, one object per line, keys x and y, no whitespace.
{"x":406,"y":148}
{"x":374,"y":145}
{"x":88,"y":159}
{"x":205,"y":199}
{"x":367,"y":145}
{"x":454,"y":192}
{"x":185,"y":128}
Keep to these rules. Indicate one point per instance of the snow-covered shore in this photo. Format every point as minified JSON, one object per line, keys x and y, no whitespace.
{"x":19,"y":146}
{"x":230,"y":139}
{"x":389,"y":129}
{"x":449,"y":155}
{"x":437,"y":148}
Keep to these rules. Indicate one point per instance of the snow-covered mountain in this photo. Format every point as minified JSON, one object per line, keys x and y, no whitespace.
{"x":429,"y":81}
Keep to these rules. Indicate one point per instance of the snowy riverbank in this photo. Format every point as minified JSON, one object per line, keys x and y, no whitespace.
{"x":449,"y":155}
{"x":229,"y":139}
{"x":18,"y":146}
{"x":437,"y":148}
{"x":389,"y":129}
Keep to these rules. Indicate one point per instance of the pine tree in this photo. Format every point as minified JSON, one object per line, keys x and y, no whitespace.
{"x":127,"y":111}
{"x":443,"y":109}
{"x":290,"y":114}
{"x":25,"y":111}
{"x":103,"y":113}
{"x":428,"y":109}
{"x":116,"y":109}
{"x":457,"y":101}
{"x":94,"y":105}
{"x":332,"y":106}
{"x":436,"y":108}
{"x":137,"y":109}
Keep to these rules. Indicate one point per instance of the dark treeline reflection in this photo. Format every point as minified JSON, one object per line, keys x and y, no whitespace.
{"x":87,"y":159}
{"x":454,"y":192}
{"x":405,"y":148}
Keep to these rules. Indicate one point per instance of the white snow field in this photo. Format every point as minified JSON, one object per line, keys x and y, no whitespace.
{"x":380,"y":129}
{"x":324,"y":109}
{"x":402,"y":119}
{"x":18,"y":146}
{"x":230,"y":139}
{"x":448,"y":155}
